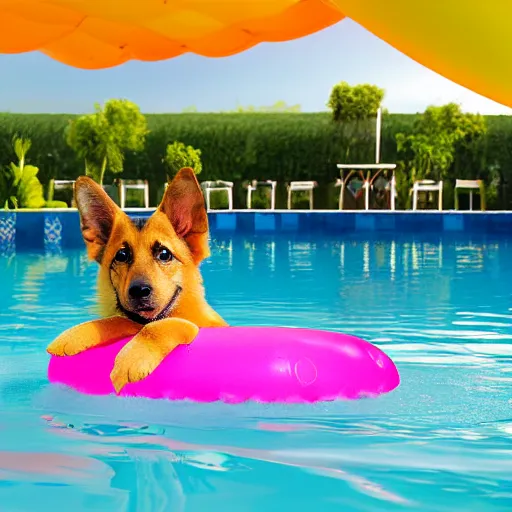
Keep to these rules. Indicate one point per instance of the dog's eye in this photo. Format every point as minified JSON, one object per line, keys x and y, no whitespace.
{"x":163,"y":254}
{"x":123,"y":255}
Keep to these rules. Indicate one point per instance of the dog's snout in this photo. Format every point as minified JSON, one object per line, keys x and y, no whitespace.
{"x":140,"y":290}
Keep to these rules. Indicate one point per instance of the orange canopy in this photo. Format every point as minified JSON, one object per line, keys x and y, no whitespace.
{"x":467,"y":41}
{"x":93,"y":34}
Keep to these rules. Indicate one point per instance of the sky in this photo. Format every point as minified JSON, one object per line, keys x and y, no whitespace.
{"x":297,"y":72}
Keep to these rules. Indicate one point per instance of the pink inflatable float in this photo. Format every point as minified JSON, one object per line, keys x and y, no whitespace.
{"x":236,"y":364}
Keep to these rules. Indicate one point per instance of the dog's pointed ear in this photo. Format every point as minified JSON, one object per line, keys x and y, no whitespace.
{"x":183,"y":203}
{"x":97,"y":213}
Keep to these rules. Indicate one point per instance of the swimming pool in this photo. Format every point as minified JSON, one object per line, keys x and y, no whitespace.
{"x":439,"y":304}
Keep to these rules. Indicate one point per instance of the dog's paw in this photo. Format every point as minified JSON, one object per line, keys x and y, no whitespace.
{"x":67,"y":345}
{"x":133,"y":363}
{"x":92,"y":334}
{"x":140,"y":357}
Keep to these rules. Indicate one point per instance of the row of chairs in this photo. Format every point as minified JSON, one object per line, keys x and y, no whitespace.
{"x":227,"y":187}
{"x":429,"y":187}
{"x":424,"y":187}
{"x":208,"y":187}
{"x":122,"y":187}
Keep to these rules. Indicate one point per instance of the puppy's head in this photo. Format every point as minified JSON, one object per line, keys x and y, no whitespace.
{"x":147,"y":265}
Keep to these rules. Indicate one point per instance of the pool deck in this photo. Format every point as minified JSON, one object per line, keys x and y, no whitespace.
{"x":60,"y":228}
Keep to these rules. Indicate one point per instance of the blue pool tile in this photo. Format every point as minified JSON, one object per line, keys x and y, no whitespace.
{"x":30,"y":230}
{"x":316,"y":221}
{"x":340,"y":221}
{"x":385,"y":222}
{"x":264,"y":222}
{"x":245,"y":222}
{"x":303,"y":221}
{"x":7,"y":233}
{"x":419,"y":222}
{"x":71,"y":232}
{"x":453,"y":222}
{"x":226,"y":221}
{"x":365,"y":222}
{"x":433,"y":223}
{"x":500,"y":223}
{"x":476,"y":222}
{"x":52,"y":231}
{"x":56,"y":230}
{"x":290,"y":221}
{"x":212,"y":221}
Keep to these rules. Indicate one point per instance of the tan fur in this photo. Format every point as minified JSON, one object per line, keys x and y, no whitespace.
{"x":180,"y":225}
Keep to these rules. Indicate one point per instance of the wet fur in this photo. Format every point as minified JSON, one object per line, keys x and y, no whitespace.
{"x":179,"y":307}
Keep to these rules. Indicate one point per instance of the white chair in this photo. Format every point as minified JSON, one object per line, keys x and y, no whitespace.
{"x":301,"y":186}
{"x":63,"y":185}
{"x":427,"y":186}
{"x":471,"y":185}
{"x":218,"y":186}
{"x":252,"y":187}
{"x":124,"y":185}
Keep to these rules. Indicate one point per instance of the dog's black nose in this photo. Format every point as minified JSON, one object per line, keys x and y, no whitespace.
{"x":140,"y":290}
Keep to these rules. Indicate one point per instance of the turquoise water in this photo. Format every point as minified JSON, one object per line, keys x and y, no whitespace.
{"x":441,"y":307}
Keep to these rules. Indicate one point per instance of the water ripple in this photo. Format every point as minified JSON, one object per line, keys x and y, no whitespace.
{"x":442,"y":441}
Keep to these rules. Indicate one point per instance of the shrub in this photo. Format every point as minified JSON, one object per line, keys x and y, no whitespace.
{"x":56,"y":204}
{"x":19,"y":185}
{"x":178,"y":155}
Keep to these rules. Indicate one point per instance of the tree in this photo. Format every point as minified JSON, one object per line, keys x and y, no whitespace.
{"x":355,"y":108}
{"x":441,"y":138}
{"x":178,"y":155}
{"x":102,"y":138}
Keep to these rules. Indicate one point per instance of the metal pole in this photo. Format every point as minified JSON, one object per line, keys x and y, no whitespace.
{"x":377,"y":135}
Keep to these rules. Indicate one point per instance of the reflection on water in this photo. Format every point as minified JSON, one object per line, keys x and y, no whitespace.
{"x":441,"y":307}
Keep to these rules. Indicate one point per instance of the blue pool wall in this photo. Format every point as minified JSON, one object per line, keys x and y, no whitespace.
{"x":60,"y":229}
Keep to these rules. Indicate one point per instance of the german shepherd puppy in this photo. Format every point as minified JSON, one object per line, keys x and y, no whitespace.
{"x":149,"y":283}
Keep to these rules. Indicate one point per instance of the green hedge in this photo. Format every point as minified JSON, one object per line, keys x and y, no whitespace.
{"x":240,"y":147}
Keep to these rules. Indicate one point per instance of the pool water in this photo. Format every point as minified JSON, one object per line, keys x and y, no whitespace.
{"x":440,"y":307}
